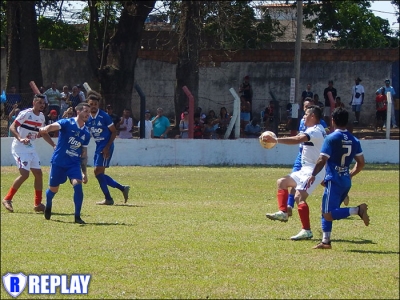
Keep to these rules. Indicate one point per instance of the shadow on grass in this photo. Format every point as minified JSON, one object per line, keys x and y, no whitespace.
{"x":129,"y":205}
{"x":93,"y":224}
{"x":361,"y":241}
{"x":373,"y":252}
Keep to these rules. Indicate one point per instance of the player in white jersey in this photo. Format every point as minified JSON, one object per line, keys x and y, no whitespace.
{"x":25,"y":129}
{"x":312,"y":139}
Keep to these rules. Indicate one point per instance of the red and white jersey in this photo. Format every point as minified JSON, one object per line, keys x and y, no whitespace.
{"x":29,"y":125}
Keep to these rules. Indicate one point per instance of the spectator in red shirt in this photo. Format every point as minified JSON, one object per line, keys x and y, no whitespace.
{"x":381,"y":107}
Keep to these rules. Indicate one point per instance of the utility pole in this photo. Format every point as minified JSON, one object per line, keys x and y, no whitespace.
{"x":297,"y":57}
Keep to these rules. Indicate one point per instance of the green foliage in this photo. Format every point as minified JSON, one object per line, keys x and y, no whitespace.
{"x":201,"y":233}
{"x":349,"y":23}
{"x":55,"y":34}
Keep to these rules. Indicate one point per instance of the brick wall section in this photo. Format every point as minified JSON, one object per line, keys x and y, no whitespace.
{"x":215,"y":57}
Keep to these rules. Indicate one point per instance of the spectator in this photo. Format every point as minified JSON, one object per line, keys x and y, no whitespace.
{"x":381,"y":108}
{"x":64,"y":99}
{"x":148,"y":125}
{"x":198,"y":127}
{"x":42,"y":90}
{"x":269,"y":116}
{"x":288,"y":115}
{"x":126,"y":125}
{"x":182,"y":114}
{"x":210,"y":125}
{"x":184,"y":126}
{"x":161,"y":125}
{"x":357,"y":99}
{"x":318,"y":102}
{"x":224,"y":119}
{"x":11,"y":117}
{"x":81,"y":93}
{"x":390,"y":89}
{"x":54,"y":97}
{"x":244,"y":112}
{"x":327,"y":106}
{"x":12,"y":98}
{"x":113,"y":116}
{"x":51,"y":118}
{"x":69,"y":113}
{"x":246,"y":90}
{"x":307,"y":93}
{"x":253,"y":129}
{"x":338,"y":102}
{"x":74,"y":97}
{"x":202,"y":116}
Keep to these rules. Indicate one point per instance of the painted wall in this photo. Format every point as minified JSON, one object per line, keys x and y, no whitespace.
{"x":144,"y":152}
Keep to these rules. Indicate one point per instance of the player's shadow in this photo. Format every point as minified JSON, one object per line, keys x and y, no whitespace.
{"x":360,"y":241}
{"x":129,"y":205}
{"x":94,"y":224}
{"x":373,"y":252}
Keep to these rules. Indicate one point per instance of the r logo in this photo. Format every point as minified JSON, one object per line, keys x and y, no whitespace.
{"x":14,"y":283}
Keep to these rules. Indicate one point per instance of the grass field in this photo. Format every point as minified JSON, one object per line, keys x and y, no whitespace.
{"x":201,"y":232}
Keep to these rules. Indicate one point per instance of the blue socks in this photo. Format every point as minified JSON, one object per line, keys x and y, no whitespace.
{"x":326,"y":225}
{"x":340,"y":213}
{"x":49,"y":198}
{"x":111,"y":182}
{"x":101,"y":178}
{"x":290,"y":201}
{"x":78,"y":199}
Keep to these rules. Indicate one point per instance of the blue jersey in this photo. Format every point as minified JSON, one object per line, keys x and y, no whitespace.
{"x":99,"y":128}
{"x":340,"y":147}
{"x":71,"y":139}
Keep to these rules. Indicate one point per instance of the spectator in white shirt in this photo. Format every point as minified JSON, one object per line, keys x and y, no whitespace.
{"x":148,"y":126}
{"x":126,"y":125}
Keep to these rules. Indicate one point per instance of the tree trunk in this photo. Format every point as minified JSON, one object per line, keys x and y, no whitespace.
{"x":116,"y":70}
{"x":187,"y":69}
{"x":23,"y":53}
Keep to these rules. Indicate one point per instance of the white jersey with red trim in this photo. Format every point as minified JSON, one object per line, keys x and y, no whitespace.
{"x":29,"y":124}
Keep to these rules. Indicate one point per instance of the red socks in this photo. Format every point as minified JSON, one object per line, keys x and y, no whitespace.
{"x":304,"y":214}
{"x":38,"y":197}
{"x":10,"y":194}
{"x":282,"y":196}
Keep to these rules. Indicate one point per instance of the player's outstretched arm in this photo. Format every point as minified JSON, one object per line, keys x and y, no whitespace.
{"x":293,"y":140}
{"x":48,"y":139}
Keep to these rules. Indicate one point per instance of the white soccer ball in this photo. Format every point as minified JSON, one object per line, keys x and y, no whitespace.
{"x":265,"y":144}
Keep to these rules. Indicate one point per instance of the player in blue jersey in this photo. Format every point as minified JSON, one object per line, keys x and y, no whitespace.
{"x":69,"y":158}
{"x":338,"y":151}
{"x":297,"y":163}
{"x":103,"y":131}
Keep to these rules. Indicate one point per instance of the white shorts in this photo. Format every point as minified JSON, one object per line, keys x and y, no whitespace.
{"x":27,"y":161}
{"x":302,"y":176}
{"x":327,"y":111}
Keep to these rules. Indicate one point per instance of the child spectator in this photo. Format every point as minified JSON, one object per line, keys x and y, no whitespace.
{"x":338,"y":102}
{"x":51,"y":118}
{"x":381,"y":108}
{"x":198,"y":127}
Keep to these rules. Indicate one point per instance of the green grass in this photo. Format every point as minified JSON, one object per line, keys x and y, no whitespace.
{"x":201,"y":232}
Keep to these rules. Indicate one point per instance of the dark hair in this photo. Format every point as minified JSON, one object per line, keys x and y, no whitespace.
{"x":340,"y":116}
{"x":338,"y":98}
{"x":316,"y":110}
{"x":81,"y":105}
{"x":196,"y":115}
{"x":93,"y":97}
{"x":39,"y":96}
{"x":330,"y":81}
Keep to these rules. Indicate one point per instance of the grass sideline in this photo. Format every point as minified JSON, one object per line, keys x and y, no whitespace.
{"x":201,"y":232}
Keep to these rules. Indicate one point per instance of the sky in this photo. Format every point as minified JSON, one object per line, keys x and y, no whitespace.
{"x":383,"y":9}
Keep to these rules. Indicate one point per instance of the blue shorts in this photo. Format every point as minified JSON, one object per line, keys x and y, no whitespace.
{"x":356,"y":108}
{"x":99,"y":161}
{"x":334,"y":195}
{"x":297,"y":163}
{"x":58,"y":174}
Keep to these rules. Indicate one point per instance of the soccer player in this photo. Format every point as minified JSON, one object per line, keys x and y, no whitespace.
{"x":103,"y":131}
{"x":312,"y":139}
{"x":25,"y":129}
{"x":297,"y":164}
{"x":338,"y":151}
{"x":69,"y":158}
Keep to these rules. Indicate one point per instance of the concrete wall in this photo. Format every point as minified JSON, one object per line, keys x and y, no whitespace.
{"x":269,"y":70}
{"x":204,"y":152}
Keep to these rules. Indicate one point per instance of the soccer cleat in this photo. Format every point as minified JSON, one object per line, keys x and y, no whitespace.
{"x":278,"y":216}
{"x":362,"y":212}
{"x":106,"y":202}
{"x":126,"y":192}
{"x":323,"y":246}
{"x":47,"y":212}
{"x":78,"y":220}
{"x":8,"y":205}
{"x":302,"y":235}
{"x":289,"y":210}
{"x":346,"y":200}
{"x":39,"y":208}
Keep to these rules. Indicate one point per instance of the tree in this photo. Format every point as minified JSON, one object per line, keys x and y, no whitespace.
{"x":23,"y":54}
{"x":349,"y":23}
{"x":113,"y":59}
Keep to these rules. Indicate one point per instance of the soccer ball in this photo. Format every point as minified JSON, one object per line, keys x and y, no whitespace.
{"x":264,"y":144}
